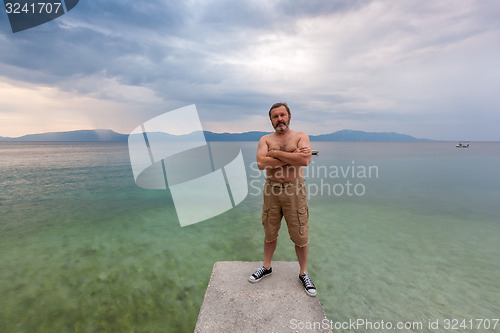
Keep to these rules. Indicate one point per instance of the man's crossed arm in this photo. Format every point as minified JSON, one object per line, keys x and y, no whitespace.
{"x":299,"y":157}
{"x":274,"y":158}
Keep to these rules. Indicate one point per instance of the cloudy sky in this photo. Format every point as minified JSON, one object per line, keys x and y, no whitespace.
{"x":430,"y":69}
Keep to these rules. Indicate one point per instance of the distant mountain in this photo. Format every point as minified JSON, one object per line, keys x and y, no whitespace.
{"x":350,"y":135}
{"x":109,"y":135}
{"x":82,"y":135}
{"x":246,"y":136}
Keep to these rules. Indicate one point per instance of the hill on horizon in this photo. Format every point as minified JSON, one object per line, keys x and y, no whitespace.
{"x":106,"y":135}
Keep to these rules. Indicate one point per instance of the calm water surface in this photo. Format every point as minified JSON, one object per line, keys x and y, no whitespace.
{"x":399,"y":232}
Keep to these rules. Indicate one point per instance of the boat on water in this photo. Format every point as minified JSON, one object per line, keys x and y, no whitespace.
{"x":315,"y":152}
{"x":463,"y":144}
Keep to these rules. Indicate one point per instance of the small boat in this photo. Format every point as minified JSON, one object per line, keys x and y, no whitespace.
{"x":463,"y":145}
{"x":315,"y":152}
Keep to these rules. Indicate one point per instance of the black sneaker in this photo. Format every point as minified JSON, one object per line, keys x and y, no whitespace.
{"x":308,"y":285}
{"x":261,"y":273}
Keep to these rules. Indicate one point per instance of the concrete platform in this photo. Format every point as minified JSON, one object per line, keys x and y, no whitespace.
{"x":278,"y":303}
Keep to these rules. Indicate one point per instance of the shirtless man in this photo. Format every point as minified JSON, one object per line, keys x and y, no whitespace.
{"x":283,"y":154}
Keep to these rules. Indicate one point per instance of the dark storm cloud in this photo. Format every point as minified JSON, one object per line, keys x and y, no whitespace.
{"x":368,"y":61}
{"x":124,"y":38}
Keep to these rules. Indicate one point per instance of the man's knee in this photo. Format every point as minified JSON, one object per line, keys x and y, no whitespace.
{"x":300,"y":242}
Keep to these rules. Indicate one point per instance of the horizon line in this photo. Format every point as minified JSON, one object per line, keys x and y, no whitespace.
{"x":251,"y":131}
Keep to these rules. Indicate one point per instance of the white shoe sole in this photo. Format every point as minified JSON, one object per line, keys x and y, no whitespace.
{"x":255,"y":281}
{"x":309,"y":293}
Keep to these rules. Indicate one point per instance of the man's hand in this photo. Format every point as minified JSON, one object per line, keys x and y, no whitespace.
{"x":274,"y":152}
{"x":305,"y":150}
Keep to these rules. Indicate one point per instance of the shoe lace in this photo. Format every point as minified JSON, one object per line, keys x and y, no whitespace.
{"x":307,"y":281}
{"x":260,"y":272}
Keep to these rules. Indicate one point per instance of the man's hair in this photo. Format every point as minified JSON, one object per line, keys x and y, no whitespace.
{"x":277,"y":105}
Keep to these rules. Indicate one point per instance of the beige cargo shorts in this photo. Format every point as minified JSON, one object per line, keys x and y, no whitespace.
{"x":289,"y":200}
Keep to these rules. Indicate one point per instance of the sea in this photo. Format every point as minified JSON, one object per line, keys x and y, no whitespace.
{"x":401,"y":234}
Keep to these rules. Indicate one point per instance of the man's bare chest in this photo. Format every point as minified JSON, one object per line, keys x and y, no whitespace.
{"x":289,"y":145}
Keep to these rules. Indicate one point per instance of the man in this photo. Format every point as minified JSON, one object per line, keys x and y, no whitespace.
{"x":283,"y":154}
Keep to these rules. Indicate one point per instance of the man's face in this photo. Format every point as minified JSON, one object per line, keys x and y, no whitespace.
{"x":280,"y":119}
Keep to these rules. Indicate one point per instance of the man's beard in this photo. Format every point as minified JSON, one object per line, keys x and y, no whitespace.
{"x":279,"y":125}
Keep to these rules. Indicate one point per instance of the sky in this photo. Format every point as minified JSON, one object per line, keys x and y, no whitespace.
{"x":430,"y":69}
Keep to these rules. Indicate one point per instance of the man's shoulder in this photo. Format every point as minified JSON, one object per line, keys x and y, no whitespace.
{"x":301,"y":134}
{"x":266,"y":137}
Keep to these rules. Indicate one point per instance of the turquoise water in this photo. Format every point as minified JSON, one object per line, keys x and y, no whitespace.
{"x":83,"y":249}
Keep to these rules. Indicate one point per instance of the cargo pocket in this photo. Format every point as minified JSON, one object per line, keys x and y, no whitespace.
{"x":265,"y":214}
{"x":303,"y":214}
